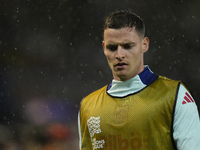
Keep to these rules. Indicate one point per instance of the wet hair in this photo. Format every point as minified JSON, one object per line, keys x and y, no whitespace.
{"x":122,"y":19}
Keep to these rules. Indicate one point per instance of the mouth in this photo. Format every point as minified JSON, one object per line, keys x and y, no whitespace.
{"x":120,"y":65}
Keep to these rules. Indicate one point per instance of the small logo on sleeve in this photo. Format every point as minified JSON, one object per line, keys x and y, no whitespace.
{"x":187,"y":99}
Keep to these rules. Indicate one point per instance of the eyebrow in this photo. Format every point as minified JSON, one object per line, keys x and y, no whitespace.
{"x":108,"y":46}
{"x":128,"y":43}
{"x":124,"y":43}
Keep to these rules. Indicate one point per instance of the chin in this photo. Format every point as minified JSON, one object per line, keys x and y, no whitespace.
{"x":122,"y":77}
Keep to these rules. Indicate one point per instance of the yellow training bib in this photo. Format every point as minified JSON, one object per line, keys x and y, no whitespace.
{"x":141,"y":121}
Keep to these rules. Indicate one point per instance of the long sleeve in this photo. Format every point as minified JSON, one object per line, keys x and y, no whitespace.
{"x":186,"y":122}
{"x":79,"y":130}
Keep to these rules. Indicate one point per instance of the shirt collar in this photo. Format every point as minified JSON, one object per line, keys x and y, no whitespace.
{"x":133,"y":85}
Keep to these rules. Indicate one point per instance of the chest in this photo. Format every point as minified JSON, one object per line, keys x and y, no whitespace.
{"x":134,"y":112}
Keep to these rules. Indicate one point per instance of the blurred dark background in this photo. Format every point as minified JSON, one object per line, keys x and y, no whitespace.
{"x":51,"y":57}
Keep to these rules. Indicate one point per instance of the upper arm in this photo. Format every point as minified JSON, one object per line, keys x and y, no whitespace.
{"x":186,"y":121}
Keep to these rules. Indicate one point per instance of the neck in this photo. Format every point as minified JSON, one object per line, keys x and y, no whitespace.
{"x":125,"y":78}
{"x":122,"y":88}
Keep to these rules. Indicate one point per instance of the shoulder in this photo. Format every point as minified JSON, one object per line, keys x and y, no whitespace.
{"x":185,"y":101}
{"x":168,"y":83}
{"x":167,"y":80}
{"x":94,"y":94}
{"x":97,"y":92}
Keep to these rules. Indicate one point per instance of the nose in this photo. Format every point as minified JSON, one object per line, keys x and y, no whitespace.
{"x":120,"y":53}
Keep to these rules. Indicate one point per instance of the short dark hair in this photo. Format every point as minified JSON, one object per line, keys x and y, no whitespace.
{"x":122,"y":19}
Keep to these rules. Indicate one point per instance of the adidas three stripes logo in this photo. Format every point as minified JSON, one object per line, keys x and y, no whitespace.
{"x":187,"y":99}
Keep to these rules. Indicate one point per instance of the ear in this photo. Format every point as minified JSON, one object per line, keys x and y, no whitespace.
{"x":145,"y":44}
{"x":103,"y":44}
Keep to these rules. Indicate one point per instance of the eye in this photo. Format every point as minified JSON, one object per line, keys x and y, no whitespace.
{"x":127,"y":46}
{"x":112,"y":47}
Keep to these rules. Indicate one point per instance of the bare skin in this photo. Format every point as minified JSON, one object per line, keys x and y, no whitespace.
{"x":124,"y":50}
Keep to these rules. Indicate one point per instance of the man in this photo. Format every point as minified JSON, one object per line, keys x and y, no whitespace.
{"x":139,"y":110}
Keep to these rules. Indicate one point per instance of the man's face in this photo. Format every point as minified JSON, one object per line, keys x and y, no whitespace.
{"x":124,"y":51}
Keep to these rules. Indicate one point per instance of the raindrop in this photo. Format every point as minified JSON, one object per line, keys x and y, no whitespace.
{"x":61,"y":26}
{"x":194,"y":17}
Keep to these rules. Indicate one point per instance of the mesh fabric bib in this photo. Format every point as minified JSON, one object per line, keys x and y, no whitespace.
{"x":141,"y":121}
